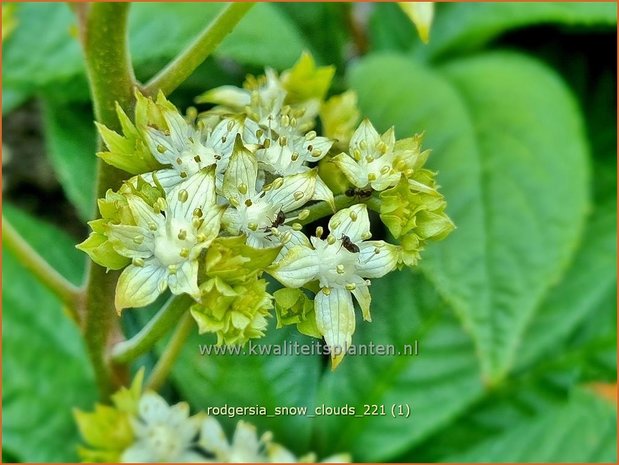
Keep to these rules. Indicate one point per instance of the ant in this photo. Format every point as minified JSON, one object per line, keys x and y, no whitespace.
{"x":360,"y":193}
{"x":279,"y":220}
{"x":349,"y":245}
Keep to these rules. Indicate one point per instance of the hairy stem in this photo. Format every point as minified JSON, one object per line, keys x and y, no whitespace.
{"x":155,"y":329}
{"x":179,"y":69}
{"x":111,"y":79}
{"x":166,"y":361}
{"x":30,"y":259}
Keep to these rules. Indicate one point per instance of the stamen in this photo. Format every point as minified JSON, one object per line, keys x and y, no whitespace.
{"x":198,"y":212}
{"x":152,"y":226}
{"x":319,"y":232}
{"x":179,"y":161}
{"x":366,"y":235}
{"x":351,"y":286}
{"x":310,"y":135}
{"x":182,"y":235}
{"x":294,"y":156}
{"x":184,"y":252}
{"x":298,"y":195}
{"x":234,"y":202}
{"x":316,"y":153}
{"x":138,"y":239}
{"x":183,"y":174}
{"x":197,"y":222}
{"x":242,"y":188}
{"x":160,"y":148}
{"x":183,"y":196}
{"x":356,"y":154}
{"x":197,"y":159}
{"x":248,"y":203}
{"x":363,"y":145}
{"x":201,"y":237}
{"x":371,"y":177}
{"x":326,"y":291}
{"x":162,"y":286}
{"x":267,"y":143}
{"x":303,"y":214}
{"x":331,"y":239}
{"x":172,"y":269}
{"x":230,"y":125}
{"x":138,"y":262}
{"x":353,"y":216}
{"x":297,"y":226}
{"x":252,"y":226}
{"x":340,"y":269}
{"x":385,"y":169}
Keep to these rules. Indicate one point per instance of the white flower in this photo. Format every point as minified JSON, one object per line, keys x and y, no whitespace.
{"x":163,"y":433}
{"x":166,"y":241}
{"x":262,"y":214}
{"x":341,"y":264}
{"x":189,"y":149}
{"x":245,"y":445}
{"x":371,"y":158}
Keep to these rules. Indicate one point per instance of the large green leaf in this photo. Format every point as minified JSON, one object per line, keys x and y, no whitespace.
{"x":583,"y":431}
{"x":507,"y":140}
{"x":437,"y":384}
{"x":45,"y":369}
{"x":253,"y":380}
{"x":44,"y":53}
{"x":583,"y":291}
{"x":468,"y":26}
{"x":71,"y":146}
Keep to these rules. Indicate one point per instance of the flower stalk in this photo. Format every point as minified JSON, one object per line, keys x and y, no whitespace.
{"x":179,"y":69}
{"x":155,"y":329}
{"x":69,"y":294}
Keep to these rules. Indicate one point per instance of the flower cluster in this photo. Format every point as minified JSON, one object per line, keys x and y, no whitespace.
{"x":143,"y":428}
{"x":221,"y":197}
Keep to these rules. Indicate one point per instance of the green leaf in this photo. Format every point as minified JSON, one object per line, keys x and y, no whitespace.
{"x":158,"y":31}
{"x":267,"y":381}
{"x":437,"y":384}
{"x":507,"y":140}
{"x":71,"y":145}
{"x":583,"y":431}
{"x":44,"y":360}
{"x":583,"y":291}
{"x":466,"y":27}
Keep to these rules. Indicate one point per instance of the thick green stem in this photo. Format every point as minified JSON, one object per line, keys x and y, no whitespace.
{"x":155,"y":329}
{"x":68,"y":293}
{"x":110,"y":74}
{"x":179,"y":69}
{"x":173,"y":349}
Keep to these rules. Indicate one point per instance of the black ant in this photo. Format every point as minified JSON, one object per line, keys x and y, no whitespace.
{"x":279,"y":220}
{"x":349,"y":245}
{"x":360,"y":193}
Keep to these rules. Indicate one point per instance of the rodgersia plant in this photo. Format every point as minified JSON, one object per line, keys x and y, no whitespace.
{"x":220,"y":198}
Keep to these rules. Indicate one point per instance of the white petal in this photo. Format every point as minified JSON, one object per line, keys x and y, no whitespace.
{"x":143,"y":214}
{"x":131,"y":241}
{"x":335,"y":319}
{"x":297,"y":268}
{"x":322,"y":192}
{"x":139,"y":286}
{"x":383,"y":181}
{"x":362,"y":294}
{"x":295,"y":191}
{"x":245,"y":443}
{"x":226,"y":95}
{"x":200,"y":190}
{"x":356,"y":174}
{"x":153,"y":408}
{"x":352,"y":222}
{"x":138,"y":453}
{"x":167,"y":178}
{"x":242,"y":170}
{"x":279,"y":454}
{"x":376,"y":265}
{"x":365,"y":133}
{"x":213,"y":439}
{"x":185,"y":280}
{"x":158,"y":141}
{"x":297,"y":238}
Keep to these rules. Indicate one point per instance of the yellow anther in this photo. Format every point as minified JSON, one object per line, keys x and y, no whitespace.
{"x":340,"y":269}
{"x":351,"y":286}
{"x":371,"y":177}
{"x":242,"y":188}
{"x":252,"y":226}
{"x":303,"y":214}
{"x":331,"y":239}
{"x":310,"y":135}
{"x":184,"y":252}
{"x":353,"y":216}
{"x":183,"y":196}
{"x":298,"y":195}
{"x":198,"y":212}
{"x":138,"y":262}
{"x":172,"y":269}
{"x":182,"y":235}
{"x":297,"y":226}
{"x":319,"y":232}
{"x":326,"y":291}
{"x":160,"y":148}
{"x":248,"y":203}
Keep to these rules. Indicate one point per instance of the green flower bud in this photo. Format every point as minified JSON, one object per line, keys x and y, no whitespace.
{"x":293,"y":307}
{"x":234,"y":318}
{"x":339,"y":116}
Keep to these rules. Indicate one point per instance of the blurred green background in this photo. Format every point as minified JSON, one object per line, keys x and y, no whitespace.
{"x":515,"y":313}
